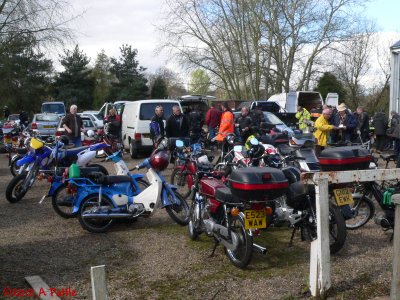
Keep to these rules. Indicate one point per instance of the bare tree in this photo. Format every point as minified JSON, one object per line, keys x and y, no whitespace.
{"x":46,"y":20}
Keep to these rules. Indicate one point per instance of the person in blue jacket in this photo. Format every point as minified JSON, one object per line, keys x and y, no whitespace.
{"x":346,"y":123}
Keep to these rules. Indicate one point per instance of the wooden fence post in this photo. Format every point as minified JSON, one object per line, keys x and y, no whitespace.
{"x":320,"y":261}
{"x":99,"y":284}
{"x":395,"y":288}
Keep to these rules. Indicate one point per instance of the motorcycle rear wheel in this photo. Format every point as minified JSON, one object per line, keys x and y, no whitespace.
{"x":363,"y":209}
{"x":179,"y":213}
{"x":242,"y":255}
{"x":180,"y":179}
{"x":89,"y":205}
{"x":14,"y":190}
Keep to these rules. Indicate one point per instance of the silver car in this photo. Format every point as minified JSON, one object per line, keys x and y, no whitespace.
{"x":45,"y":124}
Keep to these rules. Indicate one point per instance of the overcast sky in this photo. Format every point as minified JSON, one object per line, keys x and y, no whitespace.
{"x":109,"y":24}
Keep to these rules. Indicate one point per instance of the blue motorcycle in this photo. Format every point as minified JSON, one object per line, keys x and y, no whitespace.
{"x":102,"y":199}
{"x":43,"y":158}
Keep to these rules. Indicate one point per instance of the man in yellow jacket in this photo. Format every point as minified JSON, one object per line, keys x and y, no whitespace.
{"x":322,"y":129}
{"x":303,"y":116}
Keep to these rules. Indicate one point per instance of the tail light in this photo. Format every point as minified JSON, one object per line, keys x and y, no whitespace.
{"x":50,"y":179}
{"x":138,"y":136}
{"x":257,"y":206}
{"x":59,"y":133}
{"x":34,"y":126}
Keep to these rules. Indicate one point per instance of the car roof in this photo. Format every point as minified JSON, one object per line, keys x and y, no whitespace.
{"x":90,"y":112}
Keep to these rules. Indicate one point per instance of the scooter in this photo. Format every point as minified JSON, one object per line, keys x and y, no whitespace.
{"x":102,"y":199}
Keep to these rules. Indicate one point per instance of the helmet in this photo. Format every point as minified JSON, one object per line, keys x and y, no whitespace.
{"x":90,"y":133}
{"x":159,"y":160}
{"x":230,"y":138}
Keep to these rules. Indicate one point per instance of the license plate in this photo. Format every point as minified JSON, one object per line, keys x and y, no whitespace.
{"x":146,"y":135}
{"x":7,"y":141}
{"x":343,"y":196}
{"x":47,"y":126}
{"x":255,"y":219}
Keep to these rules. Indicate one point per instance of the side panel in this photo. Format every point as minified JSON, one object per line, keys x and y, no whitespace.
{"x":129,"y":123}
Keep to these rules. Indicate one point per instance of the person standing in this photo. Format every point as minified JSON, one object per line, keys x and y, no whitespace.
{"x":257,"y":115}
{"x":213,"y":118}
{"x":303,"y":116}
{"x":362,"y":124}
{"x":157,"y":130}
{"x":177,"y":124}
{"x":243,"y":124}
{"x":196,"y":121}
{"x":6,"y":112}
{"x":322,"y":127}
{"x":345,"y":122}
{"x":73,"y":125}
{"x":380,"y":123}
{"x":226,"y":125}
{"x":114,"y":121}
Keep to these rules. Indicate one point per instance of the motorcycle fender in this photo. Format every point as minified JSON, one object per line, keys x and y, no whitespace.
{"x":15,"y":157}
{"x":54,"y":187}
{"x":152,"y":194}
{"x":78,"y":201}
{"x":169,"y":189}
{"x":27,"y":159}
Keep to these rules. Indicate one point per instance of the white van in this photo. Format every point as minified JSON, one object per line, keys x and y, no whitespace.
{"x":136,"y":120}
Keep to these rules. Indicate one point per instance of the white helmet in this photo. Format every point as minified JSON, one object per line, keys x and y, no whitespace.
{"x":90,"y":133}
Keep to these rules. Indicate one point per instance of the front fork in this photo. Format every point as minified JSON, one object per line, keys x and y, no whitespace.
{"x":31,"y":176}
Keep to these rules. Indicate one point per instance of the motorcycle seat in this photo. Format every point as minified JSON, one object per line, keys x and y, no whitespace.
{"x":224,"y":195}
{"x":22,"y":151}
{"x":74,"y":151}
{"x":108,"y":180}
{"x":285,"y":149}
{"x":204,"y":167}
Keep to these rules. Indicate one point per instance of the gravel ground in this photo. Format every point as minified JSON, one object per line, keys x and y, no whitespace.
{"x":154,"y":258}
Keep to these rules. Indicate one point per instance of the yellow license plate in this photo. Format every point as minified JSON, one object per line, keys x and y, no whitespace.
{"x":7,"y":141}
{"x":47,"y":126}
{"x":146,"y":135}
{"x":255,"y":219}
{"x":343,"y":196}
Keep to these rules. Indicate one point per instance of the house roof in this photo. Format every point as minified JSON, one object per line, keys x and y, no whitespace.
{"x":396,"y":45}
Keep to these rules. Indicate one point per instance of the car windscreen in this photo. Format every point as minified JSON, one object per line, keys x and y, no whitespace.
{"x":47,"y":118}
{"x":147,"y":110}
{"x":272,"y":119}
{"x":55,"y":108}
{"x":13,"y":117}
{"x":87,"y":122}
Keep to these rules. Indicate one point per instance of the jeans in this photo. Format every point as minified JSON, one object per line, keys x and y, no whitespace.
{"x":212,"y":132}
{"x":76,"y":141}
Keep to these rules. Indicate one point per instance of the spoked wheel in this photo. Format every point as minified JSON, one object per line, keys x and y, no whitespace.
{"x":241,"y":256}
{"x":91,"y":205}
{"x":14,"y":169}
{"x":15,"y":191}
{"x":194,"y":222}
{"x":179,"y":213}
{"x":180,"y":179}
{"x":363,"y":210}
{"x":63,"y":202}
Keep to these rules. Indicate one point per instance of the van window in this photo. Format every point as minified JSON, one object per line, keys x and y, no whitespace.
{"x":147,"y":110}
{"x":55,"y":108}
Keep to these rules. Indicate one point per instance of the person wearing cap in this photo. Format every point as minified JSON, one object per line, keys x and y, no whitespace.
{"x":345,"y":121}
{"x":227,"y":123}
{"x":303,"y":116}
{"x":323,"y":128}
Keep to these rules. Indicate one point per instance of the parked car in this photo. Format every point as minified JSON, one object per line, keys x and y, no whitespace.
{"x":45,"y":124}
{"x":13,"y":118}
{"x":95,"y":116}
{"x":54,"y":108}
{"x":188,"y":102}
{"x":88,"y":124}
{"x":136,"y":120}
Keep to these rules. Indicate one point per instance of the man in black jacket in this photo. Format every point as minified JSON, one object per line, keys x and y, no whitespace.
{"x":244,"y":124}
{"x":196,"y":120}
{"x":362,"y":124}
{"x":177,"y":124}
{"x":73,"y":125}
{"x":157,"y":130}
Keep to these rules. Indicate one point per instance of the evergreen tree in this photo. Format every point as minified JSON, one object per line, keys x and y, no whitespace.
{"x":102,"y":79}
{"x":328,"y":83}
{"x":130,"y":82}
{"x":25,"y":74}
{"x":75,"y":85}
{"x":159,"y":89}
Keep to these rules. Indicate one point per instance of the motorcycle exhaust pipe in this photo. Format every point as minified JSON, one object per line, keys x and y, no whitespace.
{"x":107,"y":216}
{"x":259,"y":249}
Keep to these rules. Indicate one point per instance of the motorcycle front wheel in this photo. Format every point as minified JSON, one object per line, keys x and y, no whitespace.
{"x":193,"y":226}
{"x":241,"y":256}
{"x":179,"y":213}
{"x":180,"y":179}
{"x":14,"y":190}
{"x":14,"y":169}
{"x":63,"y":202}
{"x":91,"y":205}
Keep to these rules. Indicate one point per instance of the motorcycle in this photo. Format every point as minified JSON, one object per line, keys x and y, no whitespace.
{"x":102,"y":199}
{"x":41,"y":157}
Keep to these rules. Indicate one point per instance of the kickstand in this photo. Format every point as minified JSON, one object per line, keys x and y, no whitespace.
{"x":291,"y":238}
{"x":215,"y":248}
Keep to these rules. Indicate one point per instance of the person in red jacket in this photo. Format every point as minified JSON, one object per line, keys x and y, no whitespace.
{"x":213,"y":117}
{"x":227,"y":123}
